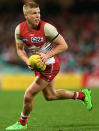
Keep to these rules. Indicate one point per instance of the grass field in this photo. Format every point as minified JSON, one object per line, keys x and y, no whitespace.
{"x":65,"y":115}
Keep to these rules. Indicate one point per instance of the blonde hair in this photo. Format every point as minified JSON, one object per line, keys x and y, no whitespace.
{"x":29,"y":5}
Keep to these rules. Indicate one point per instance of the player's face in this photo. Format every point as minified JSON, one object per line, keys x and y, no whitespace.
{"x":33,"y":16}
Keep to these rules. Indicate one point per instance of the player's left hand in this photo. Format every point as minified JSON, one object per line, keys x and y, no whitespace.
{"x":43,"y":56}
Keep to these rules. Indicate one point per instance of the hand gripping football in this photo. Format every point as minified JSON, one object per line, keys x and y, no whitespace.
{"x":37,"y":63}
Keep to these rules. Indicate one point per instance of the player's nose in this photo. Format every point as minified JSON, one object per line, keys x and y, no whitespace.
{"x":37,"y":15}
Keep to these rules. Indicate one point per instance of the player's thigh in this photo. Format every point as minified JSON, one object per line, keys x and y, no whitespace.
{"x":37,"y":85}
{"x":50,"y":89}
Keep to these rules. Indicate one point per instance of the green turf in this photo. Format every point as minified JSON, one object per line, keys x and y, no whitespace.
{"x":65,"y":115}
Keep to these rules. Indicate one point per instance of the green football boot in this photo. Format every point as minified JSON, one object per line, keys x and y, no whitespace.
{"x":17,"y":126}
{"x":87,"y":100}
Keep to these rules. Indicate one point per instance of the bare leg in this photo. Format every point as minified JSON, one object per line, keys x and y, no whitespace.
{"x":64,"y":94}
{"x":51,"y":94}
{"x":38,"y":85}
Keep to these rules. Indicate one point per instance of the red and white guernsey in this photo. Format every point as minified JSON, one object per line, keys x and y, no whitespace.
{"x":41,"y":40}
{"x":34,"y":37}
{"x":37,"y":39}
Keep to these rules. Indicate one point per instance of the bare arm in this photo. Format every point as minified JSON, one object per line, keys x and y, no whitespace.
{"x":60,"y":46}
{"x":21,"y":53}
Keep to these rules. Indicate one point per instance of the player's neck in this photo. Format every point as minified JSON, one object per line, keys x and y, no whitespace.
{"x":31,"y":26}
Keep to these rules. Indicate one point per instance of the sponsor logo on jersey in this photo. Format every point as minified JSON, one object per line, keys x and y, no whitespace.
{"x":25,"y":39}
{"x":37,"y":39}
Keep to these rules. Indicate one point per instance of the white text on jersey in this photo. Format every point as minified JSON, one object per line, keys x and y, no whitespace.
{"x":37,"y":39}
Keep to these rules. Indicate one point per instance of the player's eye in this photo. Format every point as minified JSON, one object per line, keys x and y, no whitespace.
{"x":37,"y":12}
{"x":34,"y":13}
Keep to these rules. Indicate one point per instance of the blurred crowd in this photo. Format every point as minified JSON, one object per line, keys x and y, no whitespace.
{"x":81,"y":32}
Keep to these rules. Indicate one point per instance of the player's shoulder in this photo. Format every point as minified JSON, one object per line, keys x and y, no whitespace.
{"x":47,"y":24}
{"x":49,"y":27}
{"x":17,"y":26}
{"x":21,"y":24}
{"x":17,"y":29}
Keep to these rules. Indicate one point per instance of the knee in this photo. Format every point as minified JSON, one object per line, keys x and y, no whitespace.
{"x":27,"y":97}
{"x":50,"y":98}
